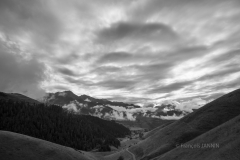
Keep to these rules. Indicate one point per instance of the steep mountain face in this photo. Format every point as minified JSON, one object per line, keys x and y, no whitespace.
{"x":91,"y":106}
{"x":60,"y":98}
{"x":167,"y":110}
{"x":201,"y":123}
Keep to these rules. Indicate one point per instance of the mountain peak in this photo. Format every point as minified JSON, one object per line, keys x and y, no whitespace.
{"x":84,"y":95}
{"x":67,"y":91}
{"x":65,"y":94}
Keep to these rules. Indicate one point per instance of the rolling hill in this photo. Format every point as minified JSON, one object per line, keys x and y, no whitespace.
{"x":188,"y":128}
{"x":16,"y":146}
{"x":220,"y":143}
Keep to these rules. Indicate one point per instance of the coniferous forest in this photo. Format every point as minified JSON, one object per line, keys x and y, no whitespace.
{"x":55,"y":124}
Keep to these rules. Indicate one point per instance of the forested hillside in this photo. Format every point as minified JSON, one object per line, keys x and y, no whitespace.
{"x":52,"y":123}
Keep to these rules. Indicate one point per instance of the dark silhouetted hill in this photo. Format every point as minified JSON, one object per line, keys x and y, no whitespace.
{"x":16,"y":146}
{"x":55,"y":124}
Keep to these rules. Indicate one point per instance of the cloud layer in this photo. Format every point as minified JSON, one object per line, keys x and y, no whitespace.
{"x":133,"y":51}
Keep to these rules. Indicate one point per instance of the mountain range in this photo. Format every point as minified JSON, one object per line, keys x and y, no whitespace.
{"x":102,"y":108}
{"x":147,"y":116}
{"x":208,"y":133}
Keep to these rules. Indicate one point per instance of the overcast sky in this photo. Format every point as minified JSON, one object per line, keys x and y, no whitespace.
{"x":125,"y":50}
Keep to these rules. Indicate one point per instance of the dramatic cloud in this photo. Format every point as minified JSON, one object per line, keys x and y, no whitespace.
{"x":169,"y":88}
{"x":31,"y":21}
{"x":138,"y":51}
{"x":115,"y":57}
{"x":66,"y":71}
{"x":19,"y":74}
{"x":117,"y":84}
{"x":143,"y":32}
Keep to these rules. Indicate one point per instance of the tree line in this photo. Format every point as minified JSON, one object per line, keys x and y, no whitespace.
{"x":57,"y":125}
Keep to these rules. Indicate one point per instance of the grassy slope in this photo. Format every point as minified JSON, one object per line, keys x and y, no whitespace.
{"x":126,"y":144}
{"x":145,"y":122}
{"x":226,"y":135}
{"x":152,"y":132}
{"x":116,"y":155}
{"x":20,"y":147}
{"x":189,"y":127}
{"x":94,"y":155}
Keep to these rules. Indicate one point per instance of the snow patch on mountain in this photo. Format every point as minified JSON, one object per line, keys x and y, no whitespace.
{"x":74,"y":106}
{"x":71,"y":107}
{"x":51,"y":97}
{"x":63,"y":94}
{"x":97,"y":113}
{"x":130,"y":116}
{"x":87,"y":100}
{"x":167,"y":110}
{"x":118,"y":115}
{"x":98,"y":106}
{"x":173,"y":117}
{"x":117,"y":108}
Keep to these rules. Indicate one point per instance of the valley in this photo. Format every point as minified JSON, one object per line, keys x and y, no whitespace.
{"x":36,"y":131}
{"x":119,"y":79}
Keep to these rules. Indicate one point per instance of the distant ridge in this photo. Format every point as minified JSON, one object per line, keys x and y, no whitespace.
{"x":113,"y":110}
{"x":17,"y":97}
{"x":65,"y":97}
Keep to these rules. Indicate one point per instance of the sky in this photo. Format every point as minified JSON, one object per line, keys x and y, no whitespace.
{"x":121,"y":50}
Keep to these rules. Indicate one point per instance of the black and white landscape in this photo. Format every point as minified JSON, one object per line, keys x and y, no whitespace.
{"x":119,"y":80}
